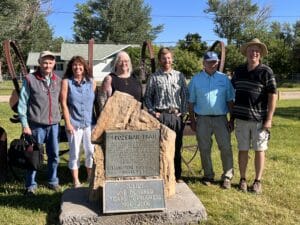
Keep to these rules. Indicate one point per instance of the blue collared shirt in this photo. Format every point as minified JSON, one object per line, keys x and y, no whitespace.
{"x":210,"y":93}
{"x":80,"y":102}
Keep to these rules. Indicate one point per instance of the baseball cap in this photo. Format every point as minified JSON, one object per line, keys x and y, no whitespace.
{"x":211,"y":56}
{"x":46,"y":53}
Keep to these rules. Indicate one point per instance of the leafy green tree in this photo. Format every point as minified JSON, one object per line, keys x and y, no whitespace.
{"x":23,"y":20}
{"x":237,"y":19}
{"x":279,"y":58}
{"x":187,"y":62}
{"x":296,"y":48}
{"x":193,"y":43}
{"x":233,"y":59}
{"x":279,"y":41}
{"x":114,"y":21}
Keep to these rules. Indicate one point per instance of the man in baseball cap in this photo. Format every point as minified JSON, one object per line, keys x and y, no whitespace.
{"x":211,"y":97}
{"x":210,"y":56}
{"x":46,"y":53}
{"x":39,"y":113}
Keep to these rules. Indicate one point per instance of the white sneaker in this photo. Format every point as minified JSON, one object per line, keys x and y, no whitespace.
{"x":77,"y":185}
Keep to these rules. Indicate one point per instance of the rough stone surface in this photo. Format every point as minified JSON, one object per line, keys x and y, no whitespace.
{"x":123,"y":112}
{"x":182,"y":208}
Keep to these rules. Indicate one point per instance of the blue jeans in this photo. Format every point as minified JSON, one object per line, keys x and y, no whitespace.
{"x":47,"y":134}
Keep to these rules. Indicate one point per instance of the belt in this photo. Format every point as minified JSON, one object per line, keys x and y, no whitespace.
{"x":209,"y":115}
{"x":170,"y":110}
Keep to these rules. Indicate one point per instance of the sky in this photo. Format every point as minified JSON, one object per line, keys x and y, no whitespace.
{"x":179,"y":17}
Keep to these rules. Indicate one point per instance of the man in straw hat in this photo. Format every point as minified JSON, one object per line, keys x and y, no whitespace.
{"x":40,"y":115}
{"x":253,"y":110}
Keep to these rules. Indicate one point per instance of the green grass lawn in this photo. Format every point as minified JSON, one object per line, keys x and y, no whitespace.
{"x":6,"y":87}
{"x":278,"y":204}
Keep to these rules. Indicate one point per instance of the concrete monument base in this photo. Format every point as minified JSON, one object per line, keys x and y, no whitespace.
{"x":182,"y":208}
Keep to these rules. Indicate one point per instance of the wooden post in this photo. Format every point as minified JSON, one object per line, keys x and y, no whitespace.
{"x":90,"y":54}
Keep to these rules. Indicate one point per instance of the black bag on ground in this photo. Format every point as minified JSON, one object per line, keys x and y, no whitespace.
{"x":25,"y":153}
{"x":3,"y":155}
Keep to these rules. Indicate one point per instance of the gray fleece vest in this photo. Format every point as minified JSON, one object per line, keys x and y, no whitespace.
{"x":43,"y":104}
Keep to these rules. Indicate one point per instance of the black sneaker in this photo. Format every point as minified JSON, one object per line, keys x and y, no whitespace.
{"x":54,"y":187}
{"x":207,"y":181}
{"x":29,"y":192}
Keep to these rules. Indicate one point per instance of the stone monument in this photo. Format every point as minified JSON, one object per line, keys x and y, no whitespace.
{"x":133,"y":179}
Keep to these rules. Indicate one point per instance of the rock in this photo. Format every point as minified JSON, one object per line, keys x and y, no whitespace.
{"x":123,"y":112}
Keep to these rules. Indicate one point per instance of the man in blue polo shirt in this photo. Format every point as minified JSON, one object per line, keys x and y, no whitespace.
{"x":211,"y":97}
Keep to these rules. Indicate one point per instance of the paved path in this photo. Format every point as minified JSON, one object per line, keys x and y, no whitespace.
{"x":282,"y":95}
{"x":4,"y":98}
{"x":289,"y":95}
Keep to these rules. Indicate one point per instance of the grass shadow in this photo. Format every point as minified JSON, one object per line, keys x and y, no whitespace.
{"x":11,"y":191}
{"x":48,"y":203}
{"x":288,"y":112}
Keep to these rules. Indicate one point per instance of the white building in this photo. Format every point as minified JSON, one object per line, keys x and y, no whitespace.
{"x":103,"y":55}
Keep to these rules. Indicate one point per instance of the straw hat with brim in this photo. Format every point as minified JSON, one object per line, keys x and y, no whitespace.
{"x":255,"y":41}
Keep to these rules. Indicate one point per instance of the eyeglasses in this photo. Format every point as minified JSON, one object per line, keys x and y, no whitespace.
{"x":120,"y":62}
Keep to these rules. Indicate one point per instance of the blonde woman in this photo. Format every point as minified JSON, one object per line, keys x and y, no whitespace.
{"x":120,"y":79}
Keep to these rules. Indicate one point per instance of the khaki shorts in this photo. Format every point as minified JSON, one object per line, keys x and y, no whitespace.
{"x":249,"y":134}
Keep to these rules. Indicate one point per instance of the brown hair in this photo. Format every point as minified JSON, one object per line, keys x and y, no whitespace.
{"x":163,"y":51}
{"x":69,"y":72}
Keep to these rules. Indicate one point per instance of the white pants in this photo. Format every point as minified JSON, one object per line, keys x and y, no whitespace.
{"x":80,"y":135}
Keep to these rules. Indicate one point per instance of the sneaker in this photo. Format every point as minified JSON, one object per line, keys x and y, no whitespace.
{"x":29,"y":192}
{"x":77,"y":185}
{"x":243,"y":185}
{"x":207,"y":181}
{"x":226,"y":183}
{"x":179,"y":181}
{"x":257,"y":188}
{"x":54,"y":187}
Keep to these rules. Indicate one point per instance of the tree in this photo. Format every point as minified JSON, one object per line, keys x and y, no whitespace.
{"x":193,"y":43}
{"x":234,"y":58}
{"x":187,"y":62}
{"x":237,"y":19}
{"x":188,"y":54}
{"x":296,"y":48}
{"x":22,"y":20}
{"x":114,"y":21}
{"x":25,"y":22}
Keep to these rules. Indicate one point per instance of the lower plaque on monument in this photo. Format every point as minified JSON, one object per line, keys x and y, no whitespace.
{"x":133,"y":196}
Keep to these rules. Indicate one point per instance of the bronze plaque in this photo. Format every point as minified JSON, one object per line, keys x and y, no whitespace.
{"x":132,"y":153}
{"x":133,"y":196}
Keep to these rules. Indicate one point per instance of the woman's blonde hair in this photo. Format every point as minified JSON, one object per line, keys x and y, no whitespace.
{"x":117,"y":59}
